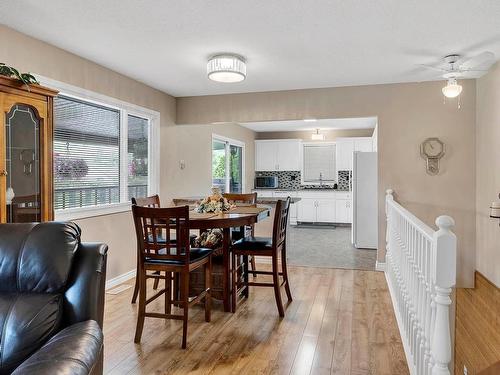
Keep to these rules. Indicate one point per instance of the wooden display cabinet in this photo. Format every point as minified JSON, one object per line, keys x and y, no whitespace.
{"x":26,"y":152}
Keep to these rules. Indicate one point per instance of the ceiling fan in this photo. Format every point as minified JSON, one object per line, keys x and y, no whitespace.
{"x":455,"y":66}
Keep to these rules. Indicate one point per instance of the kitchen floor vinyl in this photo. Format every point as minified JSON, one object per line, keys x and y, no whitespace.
{"x":327,"y":246}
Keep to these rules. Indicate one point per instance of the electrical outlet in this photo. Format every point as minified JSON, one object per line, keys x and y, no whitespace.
{"x":466,"y":372}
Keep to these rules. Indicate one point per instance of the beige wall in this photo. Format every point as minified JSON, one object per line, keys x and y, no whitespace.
{"x":330,"y":135}
{"x":407,"y":114}
{"x":488,"y":174}
{"x":29,"y":54}
{"x":193,"y":144}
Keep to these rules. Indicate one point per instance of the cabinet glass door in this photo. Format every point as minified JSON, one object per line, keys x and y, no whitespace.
{"x":22,"y":164}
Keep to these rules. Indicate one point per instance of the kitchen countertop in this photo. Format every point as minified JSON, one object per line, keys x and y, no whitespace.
{"x":261,"y":200}
{"x":306,"y":189}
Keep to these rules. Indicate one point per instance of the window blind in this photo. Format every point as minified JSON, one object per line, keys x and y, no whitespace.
{"x":86,"y":154}
{"x":319,"y":160}
{"x":138,"y":145}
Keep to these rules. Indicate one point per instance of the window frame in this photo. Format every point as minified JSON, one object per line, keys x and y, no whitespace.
{"x":228,"y":142}
{"x":124,"y":109}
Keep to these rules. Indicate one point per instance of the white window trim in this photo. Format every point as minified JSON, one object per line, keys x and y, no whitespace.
{"x":235,"y":142}
{"x":125,"y":109}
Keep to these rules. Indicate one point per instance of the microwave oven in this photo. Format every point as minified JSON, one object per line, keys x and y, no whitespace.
{"x":266,"y":182}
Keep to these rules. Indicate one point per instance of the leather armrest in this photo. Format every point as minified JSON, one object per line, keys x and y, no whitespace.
{"x":75,"y":350}
{"x":84,"y":297}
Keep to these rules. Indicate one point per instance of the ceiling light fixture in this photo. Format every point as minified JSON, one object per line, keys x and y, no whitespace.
{"x":310,"y":120}
{"x":317,"y":136}
{"x":226,"y":68}
{"x":452,"y":88}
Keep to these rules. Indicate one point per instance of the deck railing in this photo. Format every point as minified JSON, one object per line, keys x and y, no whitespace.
{"x":420,"y":271}
{"x":94,"y":195}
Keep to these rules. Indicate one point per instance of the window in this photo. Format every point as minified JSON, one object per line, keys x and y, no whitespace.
{"x":86,"y":154}
{"x":104,"y":153}
{"x":137,"y":148}
{"x":319,"y":163}
{"x":228,"y":164}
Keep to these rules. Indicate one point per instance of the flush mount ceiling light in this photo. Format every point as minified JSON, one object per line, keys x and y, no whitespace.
{"x":452,"y":88}
{"x":226,"y":68}
{"x":317,"y":136}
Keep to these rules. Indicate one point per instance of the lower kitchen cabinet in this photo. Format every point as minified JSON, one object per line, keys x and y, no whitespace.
{"x":343,"y":211}
{"x":325,"y":211}
{"x":316,"y":210}
{"x":307,"y":210}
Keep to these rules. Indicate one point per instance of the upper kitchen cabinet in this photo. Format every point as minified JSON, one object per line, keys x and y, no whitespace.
{"x":363,"y":144}
{"x":345,"y":148}
{"x":277,"y":155}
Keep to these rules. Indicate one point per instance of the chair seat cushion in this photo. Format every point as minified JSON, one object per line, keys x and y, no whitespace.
{"x":196,"y":254}
{"x":74,"y":350}
{"x":28,"y":321}
{"x":253,"y":243}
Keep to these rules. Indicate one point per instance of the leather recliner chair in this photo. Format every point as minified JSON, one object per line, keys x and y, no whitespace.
{"x":51,"y":300}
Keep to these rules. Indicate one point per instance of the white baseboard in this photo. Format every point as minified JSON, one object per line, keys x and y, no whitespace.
{"x":380,"y":266}
{"x":111,"y":283}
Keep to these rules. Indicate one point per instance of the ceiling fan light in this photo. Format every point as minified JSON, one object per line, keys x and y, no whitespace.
{"x":226,"y":68}
{"x":452,"y":89}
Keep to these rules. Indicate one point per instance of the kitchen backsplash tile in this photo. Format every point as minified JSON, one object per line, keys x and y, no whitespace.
{"x":291,"y":180}
{"x":286,"y":179}
{"x":344,"y":180}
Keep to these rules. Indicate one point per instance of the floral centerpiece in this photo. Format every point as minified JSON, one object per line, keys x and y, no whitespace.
{"x":214,"y":203}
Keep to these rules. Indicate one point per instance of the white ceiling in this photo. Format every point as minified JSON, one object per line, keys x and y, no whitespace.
{"x":323,"y":124}
{"x":289,"y":44}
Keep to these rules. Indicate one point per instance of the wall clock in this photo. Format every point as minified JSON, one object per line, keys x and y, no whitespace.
{"x":432,"y":149}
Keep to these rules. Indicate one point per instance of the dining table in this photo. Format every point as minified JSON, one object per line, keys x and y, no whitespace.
{"x":238,"y":216}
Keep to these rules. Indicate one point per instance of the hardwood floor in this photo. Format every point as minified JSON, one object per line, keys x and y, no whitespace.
{"x":340,"y":322}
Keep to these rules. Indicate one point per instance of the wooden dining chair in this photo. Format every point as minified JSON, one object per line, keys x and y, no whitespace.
{"x":250,"y":199}
{"x":262,"y":246}
{"x":171,"y":258}
{"x":152,"y":201}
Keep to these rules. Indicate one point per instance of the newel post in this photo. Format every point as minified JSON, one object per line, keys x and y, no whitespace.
{"x":444,"y":278}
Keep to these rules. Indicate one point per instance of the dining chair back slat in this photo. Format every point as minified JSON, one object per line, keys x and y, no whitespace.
{"x":152,"y":201}
{"x":250,"y":198}
{"x":154,"y":236}
{"x":280,"y":222}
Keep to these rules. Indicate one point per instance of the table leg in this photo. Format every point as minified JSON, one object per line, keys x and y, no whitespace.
{"x":226,"y":240}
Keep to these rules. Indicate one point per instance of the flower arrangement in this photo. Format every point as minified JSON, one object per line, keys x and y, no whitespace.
{"x":211,"y":239}
{"x":70,"y":167}
{"x":214,"y":203}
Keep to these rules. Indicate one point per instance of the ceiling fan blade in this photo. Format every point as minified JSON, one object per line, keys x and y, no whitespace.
{"x":433,"y":68}
{"x":479,"y":60}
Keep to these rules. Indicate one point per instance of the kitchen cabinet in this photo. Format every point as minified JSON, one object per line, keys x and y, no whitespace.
{"x":344,"y":150}
{"x":307,"y":210}
{"x":265,"y":156}
{"x":324,"y":207}
{"x":363,"y":144}
{"x":343,"y":211}
{"x":346,"y":146}
{"x":325,"y":211}
{"x":278,"y":155}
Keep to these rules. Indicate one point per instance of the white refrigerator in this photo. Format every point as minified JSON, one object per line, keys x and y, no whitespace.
{"x":364,"y":200}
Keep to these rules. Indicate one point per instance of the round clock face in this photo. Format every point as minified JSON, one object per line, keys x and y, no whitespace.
{"x":433,"y":148}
